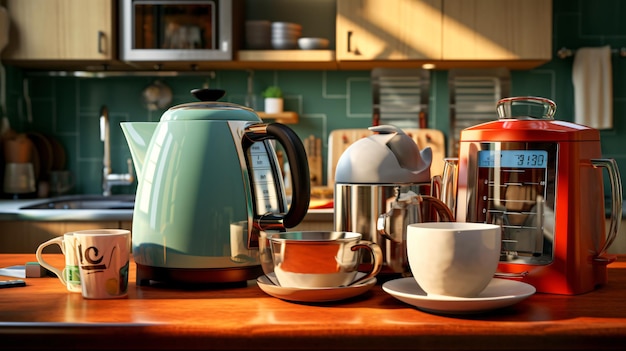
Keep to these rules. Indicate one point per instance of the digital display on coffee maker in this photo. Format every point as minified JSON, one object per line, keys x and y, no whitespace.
{"x":513,"y":158}
{"x":515,"y":189}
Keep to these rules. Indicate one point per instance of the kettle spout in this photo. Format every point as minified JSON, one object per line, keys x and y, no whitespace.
{"x":138,"y":136}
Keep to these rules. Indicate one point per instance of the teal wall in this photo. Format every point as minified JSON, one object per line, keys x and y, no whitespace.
{"x":68,"y":107}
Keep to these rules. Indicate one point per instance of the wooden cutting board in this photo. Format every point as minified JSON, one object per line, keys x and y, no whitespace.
{"x":313,"y":148}
{"x":340,"y":139}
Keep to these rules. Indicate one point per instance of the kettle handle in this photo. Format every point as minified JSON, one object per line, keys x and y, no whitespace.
{"x":298,"y":165}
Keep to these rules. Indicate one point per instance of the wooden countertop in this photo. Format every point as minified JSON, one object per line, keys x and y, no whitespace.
{"x":43,"y":315}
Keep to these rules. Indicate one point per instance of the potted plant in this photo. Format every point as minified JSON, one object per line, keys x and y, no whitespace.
{"x":273,"y":99}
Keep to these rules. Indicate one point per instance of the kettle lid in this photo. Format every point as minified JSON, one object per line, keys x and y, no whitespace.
{"x":210,"y":109}
{"x":388,"y":156}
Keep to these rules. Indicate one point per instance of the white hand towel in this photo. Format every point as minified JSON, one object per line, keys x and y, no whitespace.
{"x":593,"y":87}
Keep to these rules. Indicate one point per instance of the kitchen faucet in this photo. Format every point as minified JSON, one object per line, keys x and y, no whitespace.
{"x":109,"y":179}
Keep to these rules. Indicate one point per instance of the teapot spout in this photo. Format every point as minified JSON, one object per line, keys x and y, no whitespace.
{"x":138,"y":136}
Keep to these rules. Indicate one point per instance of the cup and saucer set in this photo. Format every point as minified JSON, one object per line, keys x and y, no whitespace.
{"x":321,"y":267}
{"x":453,"y":266}
{"x":316,"y":266}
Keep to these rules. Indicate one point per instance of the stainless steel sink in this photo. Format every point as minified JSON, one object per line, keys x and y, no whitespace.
{"x":85,"y":202}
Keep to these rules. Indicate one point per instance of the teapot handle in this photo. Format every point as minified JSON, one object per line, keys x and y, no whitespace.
{"x":444,"y":212}
{"x":299,"y":167}
{"x":384,"y":223}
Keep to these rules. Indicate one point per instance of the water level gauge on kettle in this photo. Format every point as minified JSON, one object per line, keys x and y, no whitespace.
{"x":542,"y":180}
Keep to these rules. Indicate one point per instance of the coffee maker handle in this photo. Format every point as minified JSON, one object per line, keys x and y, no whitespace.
{"x":616,"y":200}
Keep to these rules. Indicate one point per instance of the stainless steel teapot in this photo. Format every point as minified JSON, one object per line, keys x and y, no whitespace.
{"x":382,"y":184}
{"x":209,"y":182}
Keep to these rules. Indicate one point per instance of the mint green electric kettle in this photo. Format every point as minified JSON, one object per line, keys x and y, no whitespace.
{"x":208,"y":182}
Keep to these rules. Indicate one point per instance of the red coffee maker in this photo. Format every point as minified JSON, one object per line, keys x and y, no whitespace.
{"x":542,"y":180}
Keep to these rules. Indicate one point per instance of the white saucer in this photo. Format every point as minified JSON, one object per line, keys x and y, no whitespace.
{"x":499,"y":293}
{"x":313,"y":294}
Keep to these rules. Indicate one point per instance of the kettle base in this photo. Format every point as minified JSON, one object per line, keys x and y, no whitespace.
{"x":147,"y":275}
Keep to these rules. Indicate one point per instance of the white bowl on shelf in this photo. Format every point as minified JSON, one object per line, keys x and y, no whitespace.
{"x":313,"y":43}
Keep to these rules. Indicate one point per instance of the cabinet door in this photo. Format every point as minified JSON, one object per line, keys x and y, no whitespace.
{"x":497,"y":30}
{"x":61,"y":30}
{"x":388,"y":30}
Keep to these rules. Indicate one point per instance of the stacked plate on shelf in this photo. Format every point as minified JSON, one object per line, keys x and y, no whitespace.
{"x":285,"y":35}
{"x":258,"y":35}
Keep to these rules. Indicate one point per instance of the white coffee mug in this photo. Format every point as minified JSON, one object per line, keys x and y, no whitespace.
{"x":103,"y":261}
{"x":453,"y":258}
{"x":69,"y":275}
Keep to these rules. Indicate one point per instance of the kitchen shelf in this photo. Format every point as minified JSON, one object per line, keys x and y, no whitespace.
{"x":288,"y":59}
{"x":287,"y":55}
{"x":286,"y":117}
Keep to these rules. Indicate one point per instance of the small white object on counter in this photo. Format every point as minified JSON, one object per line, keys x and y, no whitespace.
{"x":35,"y":270}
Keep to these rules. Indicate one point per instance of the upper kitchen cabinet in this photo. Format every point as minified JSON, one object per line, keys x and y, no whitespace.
{"x":446,"y":33}
{"x":497,"y":30}
{"x":381,"y":30}
{"x":61,"y":30}
{"x":83,"y":35}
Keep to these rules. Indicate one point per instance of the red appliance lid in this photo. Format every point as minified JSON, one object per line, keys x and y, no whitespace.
{"x":527,"y":128}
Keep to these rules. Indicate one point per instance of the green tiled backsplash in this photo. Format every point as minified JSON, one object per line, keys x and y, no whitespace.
{"x":69,"y":107}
